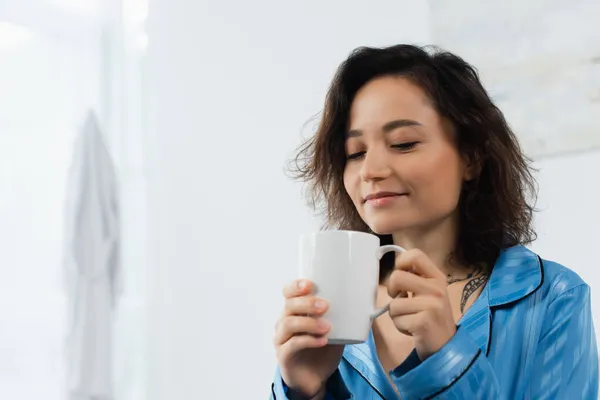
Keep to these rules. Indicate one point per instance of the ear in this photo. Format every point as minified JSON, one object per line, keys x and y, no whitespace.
{"x":473,"y":166}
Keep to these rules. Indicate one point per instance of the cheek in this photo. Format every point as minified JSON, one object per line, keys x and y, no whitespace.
{"x":351,"y":184}
{"x":347,"y":183}
{"x":443,"y":180}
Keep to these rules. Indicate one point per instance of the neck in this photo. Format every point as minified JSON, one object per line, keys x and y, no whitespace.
{"x":438,"y":241}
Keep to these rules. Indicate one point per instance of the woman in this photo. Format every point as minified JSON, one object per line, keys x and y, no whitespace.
{"x":411,"y":147}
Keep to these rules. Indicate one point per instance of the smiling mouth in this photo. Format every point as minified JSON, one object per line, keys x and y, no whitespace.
{"x":383,"y":199}
{"x":382,"y":195}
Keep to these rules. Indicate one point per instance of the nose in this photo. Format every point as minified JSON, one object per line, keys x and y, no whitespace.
{"x":375,"y":165}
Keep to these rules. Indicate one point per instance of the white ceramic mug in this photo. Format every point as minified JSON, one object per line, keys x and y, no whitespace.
{"x":344,"y":267}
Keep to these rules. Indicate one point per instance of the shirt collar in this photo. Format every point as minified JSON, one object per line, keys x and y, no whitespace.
{"x":517,"y":273}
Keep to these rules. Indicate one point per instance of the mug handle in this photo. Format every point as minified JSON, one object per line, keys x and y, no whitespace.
{"x":380,"y":252}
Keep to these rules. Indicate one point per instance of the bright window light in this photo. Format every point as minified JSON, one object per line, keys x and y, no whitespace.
{"x":12,"y":35}
{"x":135,"y":12}
{"x":82,"y":7}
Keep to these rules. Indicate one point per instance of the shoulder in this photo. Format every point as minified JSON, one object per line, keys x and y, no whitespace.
{"x":519,"y":272}
{"x":559,"y":279}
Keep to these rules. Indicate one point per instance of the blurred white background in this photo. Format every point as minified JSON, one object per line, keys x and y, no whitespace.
{"x":202,"y":103}
{"x":58,"y":59}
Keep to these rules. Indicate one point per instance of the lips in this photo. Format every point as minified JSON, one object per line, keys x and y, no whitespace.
{"x":382,"y":195}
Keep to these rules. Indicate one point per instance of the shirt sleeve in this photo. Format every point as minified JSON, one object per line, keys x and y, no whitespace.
{"x":457,"y":370}
{"x":335,"y":388}
{"x":565,"y":364}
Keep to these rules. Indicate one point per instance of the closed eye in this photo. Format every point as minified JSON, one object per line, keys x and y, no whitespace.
{"x":405,"y":146}
{"x":354,"y":156}
{"x":400,"y":146}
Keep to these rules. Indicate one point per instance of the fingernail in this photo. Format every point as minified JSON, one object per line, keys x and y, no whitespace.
{"x":320,"y":305}
{"x":322,"y":324}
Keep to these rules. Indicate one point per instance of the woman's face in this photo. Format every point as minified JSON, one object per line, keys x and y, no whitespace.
{"x":403,"y":170}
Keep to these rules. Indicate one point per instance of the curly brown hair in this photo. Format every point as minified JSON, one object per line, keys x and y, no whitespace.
{"x":496,"y":209}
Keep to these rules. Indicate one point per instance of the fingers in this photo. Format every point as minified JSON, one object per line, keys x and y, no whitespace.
{"x":296,"y":325}
{"x":419,"y":263}
{"x":419,"y":314}
{"x":407,"y":324}
{"x":300,"y":325}
{"x":415,"y":272}
{"x":305,"y":305}
{"x":403,"y":306}
{"x":300,"y":342}
{"x":298,"y":300}
{"x":402,"y":281}
{"x":298,"y":287}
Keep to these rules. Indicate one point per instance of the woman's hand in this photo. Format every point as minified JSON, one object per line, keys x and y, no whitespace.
{"x":427,"y":315}
{"x":305,"y":360}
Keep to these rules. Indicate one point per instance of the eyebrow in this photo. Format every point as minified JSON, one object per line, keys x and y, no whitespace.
{"x":388,"y":127}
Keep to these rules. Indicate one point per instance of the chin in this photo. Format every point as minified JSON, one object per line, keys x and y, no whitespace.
{"x":389,"y":223}
{"x":387,"y":226}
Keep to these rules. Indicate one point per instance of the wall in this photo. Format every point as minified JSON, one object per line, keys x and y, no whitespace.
{"x":540,"y":64}
{"x":569,"y":218}
{"x":230,"y":87}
